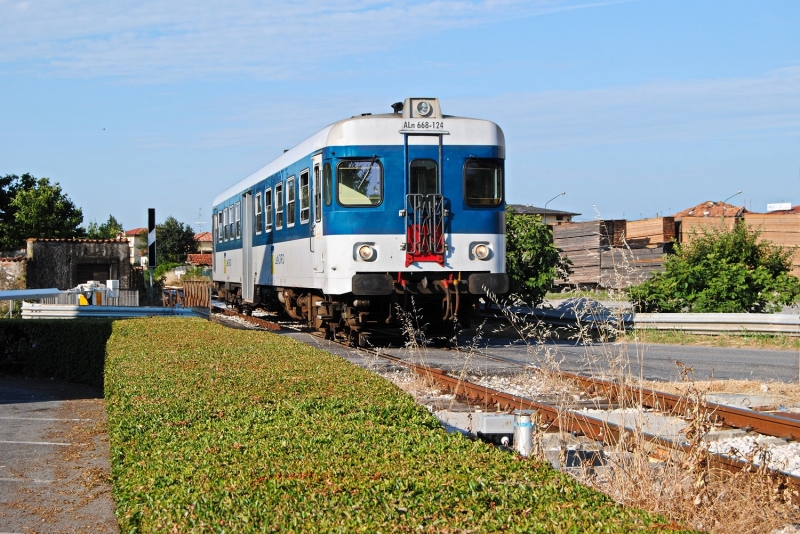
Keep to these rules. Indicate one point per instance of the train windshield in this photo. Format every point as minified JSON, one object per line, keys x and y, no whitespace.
{"x":483,"y":182}
{"x":423,"y":179}
{"x":360,"y":183}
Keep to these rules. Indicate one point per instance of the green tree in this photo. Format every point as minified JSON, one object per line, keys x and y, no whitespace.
{"x":40,"y":209}
{"x":532,"y":261}
{"x":108,"y":230}
{"x":10,"y":185}
{"x":725,"y":270}
{"x":174,"y":240}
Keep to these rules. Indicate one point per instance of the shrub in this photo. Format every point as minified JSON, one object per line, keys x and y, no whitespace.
{"x":69,"y":350}
{"x":242,"y":431}
{"x":724,"y":270}
{"x":532,"y":260}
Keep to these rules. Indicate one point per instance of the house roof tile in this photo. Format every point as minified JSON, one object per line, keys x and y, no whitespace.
{"x":198,"y":259}
{"x":711,"y":209}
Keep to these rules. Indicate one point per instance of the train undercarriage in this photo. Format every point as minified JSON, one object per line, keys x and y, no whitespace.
{"x":382,"y":309}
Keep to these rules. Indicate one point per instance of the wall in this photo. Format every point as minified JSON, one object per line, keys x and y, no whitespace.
{"x":56,"y":262}
{"x":12,"y":276}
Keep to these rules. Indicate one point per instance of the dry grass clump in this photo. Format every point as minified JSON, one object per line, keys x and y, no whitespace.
{"x":785,"y":394}
{"x":688,"y":489}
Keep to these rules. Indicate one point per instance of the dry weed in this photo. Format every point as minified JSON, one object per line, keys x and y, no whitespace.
{"x":685,"y":488}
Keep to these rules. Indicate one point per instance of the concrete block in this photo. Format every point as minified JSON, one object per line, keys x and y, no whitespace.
{"x":719,"y":435}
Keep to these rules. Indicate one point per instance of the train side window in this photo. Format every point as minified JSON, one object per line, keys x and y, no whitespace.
{"x":238,"y":220}
{"x":225,"y":223}
{"x":423,"y":178}
{"x":360,"y":182}
{"x":317,"y":195}
{"x":259,"y":214}
{"x":483,"y":182}
{"x":305,"y":200}
{"x":231,"y":223}
{"x":219,"y":226}
{"x":291,"y":202}
{"x":328,"y":188}
{"x":268,"y":209}
{"x":279,"y":206}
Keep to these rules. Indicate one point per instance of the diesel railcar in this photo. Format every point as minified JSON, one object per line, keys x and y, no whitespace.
{"x":370,"y":216}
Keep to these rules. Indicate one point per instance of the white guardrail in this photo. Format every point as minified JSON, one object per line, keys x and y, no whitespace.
{"x":695,"y":323}
{"x":64,"y":311}
{"x":717,"y":323}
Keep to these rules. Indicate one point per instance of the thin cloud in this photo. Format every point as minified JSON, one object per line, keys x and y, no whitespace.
{"x":662,"y":111}
{"x":186,"y":39}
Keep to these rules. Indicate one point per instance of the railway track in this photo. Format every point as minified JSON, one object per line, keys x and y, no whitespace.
{"x":574,"y":422}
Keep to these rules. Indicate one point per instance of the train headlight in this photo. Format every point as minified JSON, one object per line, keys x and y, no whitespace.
{"x":481,"y":251}
{"x":423,"y":108}
{"x":366,"y":252}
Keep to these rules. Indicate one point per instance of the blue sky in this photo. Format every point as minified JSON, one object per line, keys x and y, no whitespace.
{"x":634,"y":108}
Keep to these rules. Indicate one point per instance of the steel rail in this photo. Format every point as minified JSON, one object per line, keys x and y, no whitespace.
{"x":763,"y":423}
{"x":787,"y":428}
{"x":580,"y":424}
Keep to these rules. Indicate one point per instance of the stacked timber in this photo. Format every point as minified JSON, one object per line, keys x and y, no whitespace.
{"x":628,"y":266}
{"x":582,"y":244}
{"x":648,"y":232}
{"x":692,"y":227}
{"x":781,"y":229}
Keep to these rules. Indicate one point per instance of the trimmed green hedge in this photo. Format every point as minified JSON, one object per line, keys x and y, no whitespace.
{"x":72,"y":350}
{"x":240,"y":431}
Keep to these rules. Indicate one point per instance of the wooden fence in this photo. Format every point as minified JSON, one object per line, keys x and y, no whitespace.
{"x":193,"y":294}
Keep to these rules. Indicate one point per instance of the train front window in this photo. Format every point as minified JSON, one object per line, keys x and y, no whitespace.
{"x":305,"y":200}
{"x":423,"y":177}
{"x":483,"y":182}
{"x":328,"y":191}
{"x":360,"y":183}
{"x":279,"y":206}
{"x":259,"y":214}
{"x":291,"y":200}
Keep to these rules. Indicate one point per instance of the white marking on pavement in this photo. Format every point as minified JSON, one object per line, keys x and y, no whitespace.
{"x":36,"y":443}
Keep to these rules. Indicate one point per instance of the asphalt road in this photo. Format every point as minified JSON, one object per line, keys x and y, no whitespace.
{"x":650,"y":361}
{"x":660,"y":362}
{"x":54,"y":464}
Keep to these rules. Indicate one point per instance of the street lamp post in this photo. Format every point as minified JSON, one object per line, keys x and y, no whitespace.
{"x":727,"y":199}
{"x":552,"y":199}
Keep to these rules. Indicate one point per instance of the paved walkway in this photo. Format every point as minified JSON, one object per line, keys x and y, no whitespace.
{"x":54,"y":467}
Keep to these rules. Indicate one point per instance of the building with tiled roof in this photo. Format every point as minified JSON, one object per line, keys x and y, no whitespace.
{"x":138,"y":239}
{"x":204,"y":242}
{"x":710,"y":208}
{"x":201,"y":260}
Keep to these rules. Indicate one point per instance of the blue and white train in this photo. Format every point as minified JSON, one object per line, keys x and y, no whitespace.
{"x":365,"y":217}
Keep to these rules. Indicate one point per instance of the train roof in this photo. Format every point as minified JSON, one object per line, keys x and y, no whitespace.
{"x":379,"y":129}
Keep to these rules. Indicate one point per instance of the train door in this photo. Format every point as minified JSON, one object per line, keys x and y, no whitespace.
{"x":425,"y":206}
{"x":316,"y":243}
{"x":247,"y":247}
